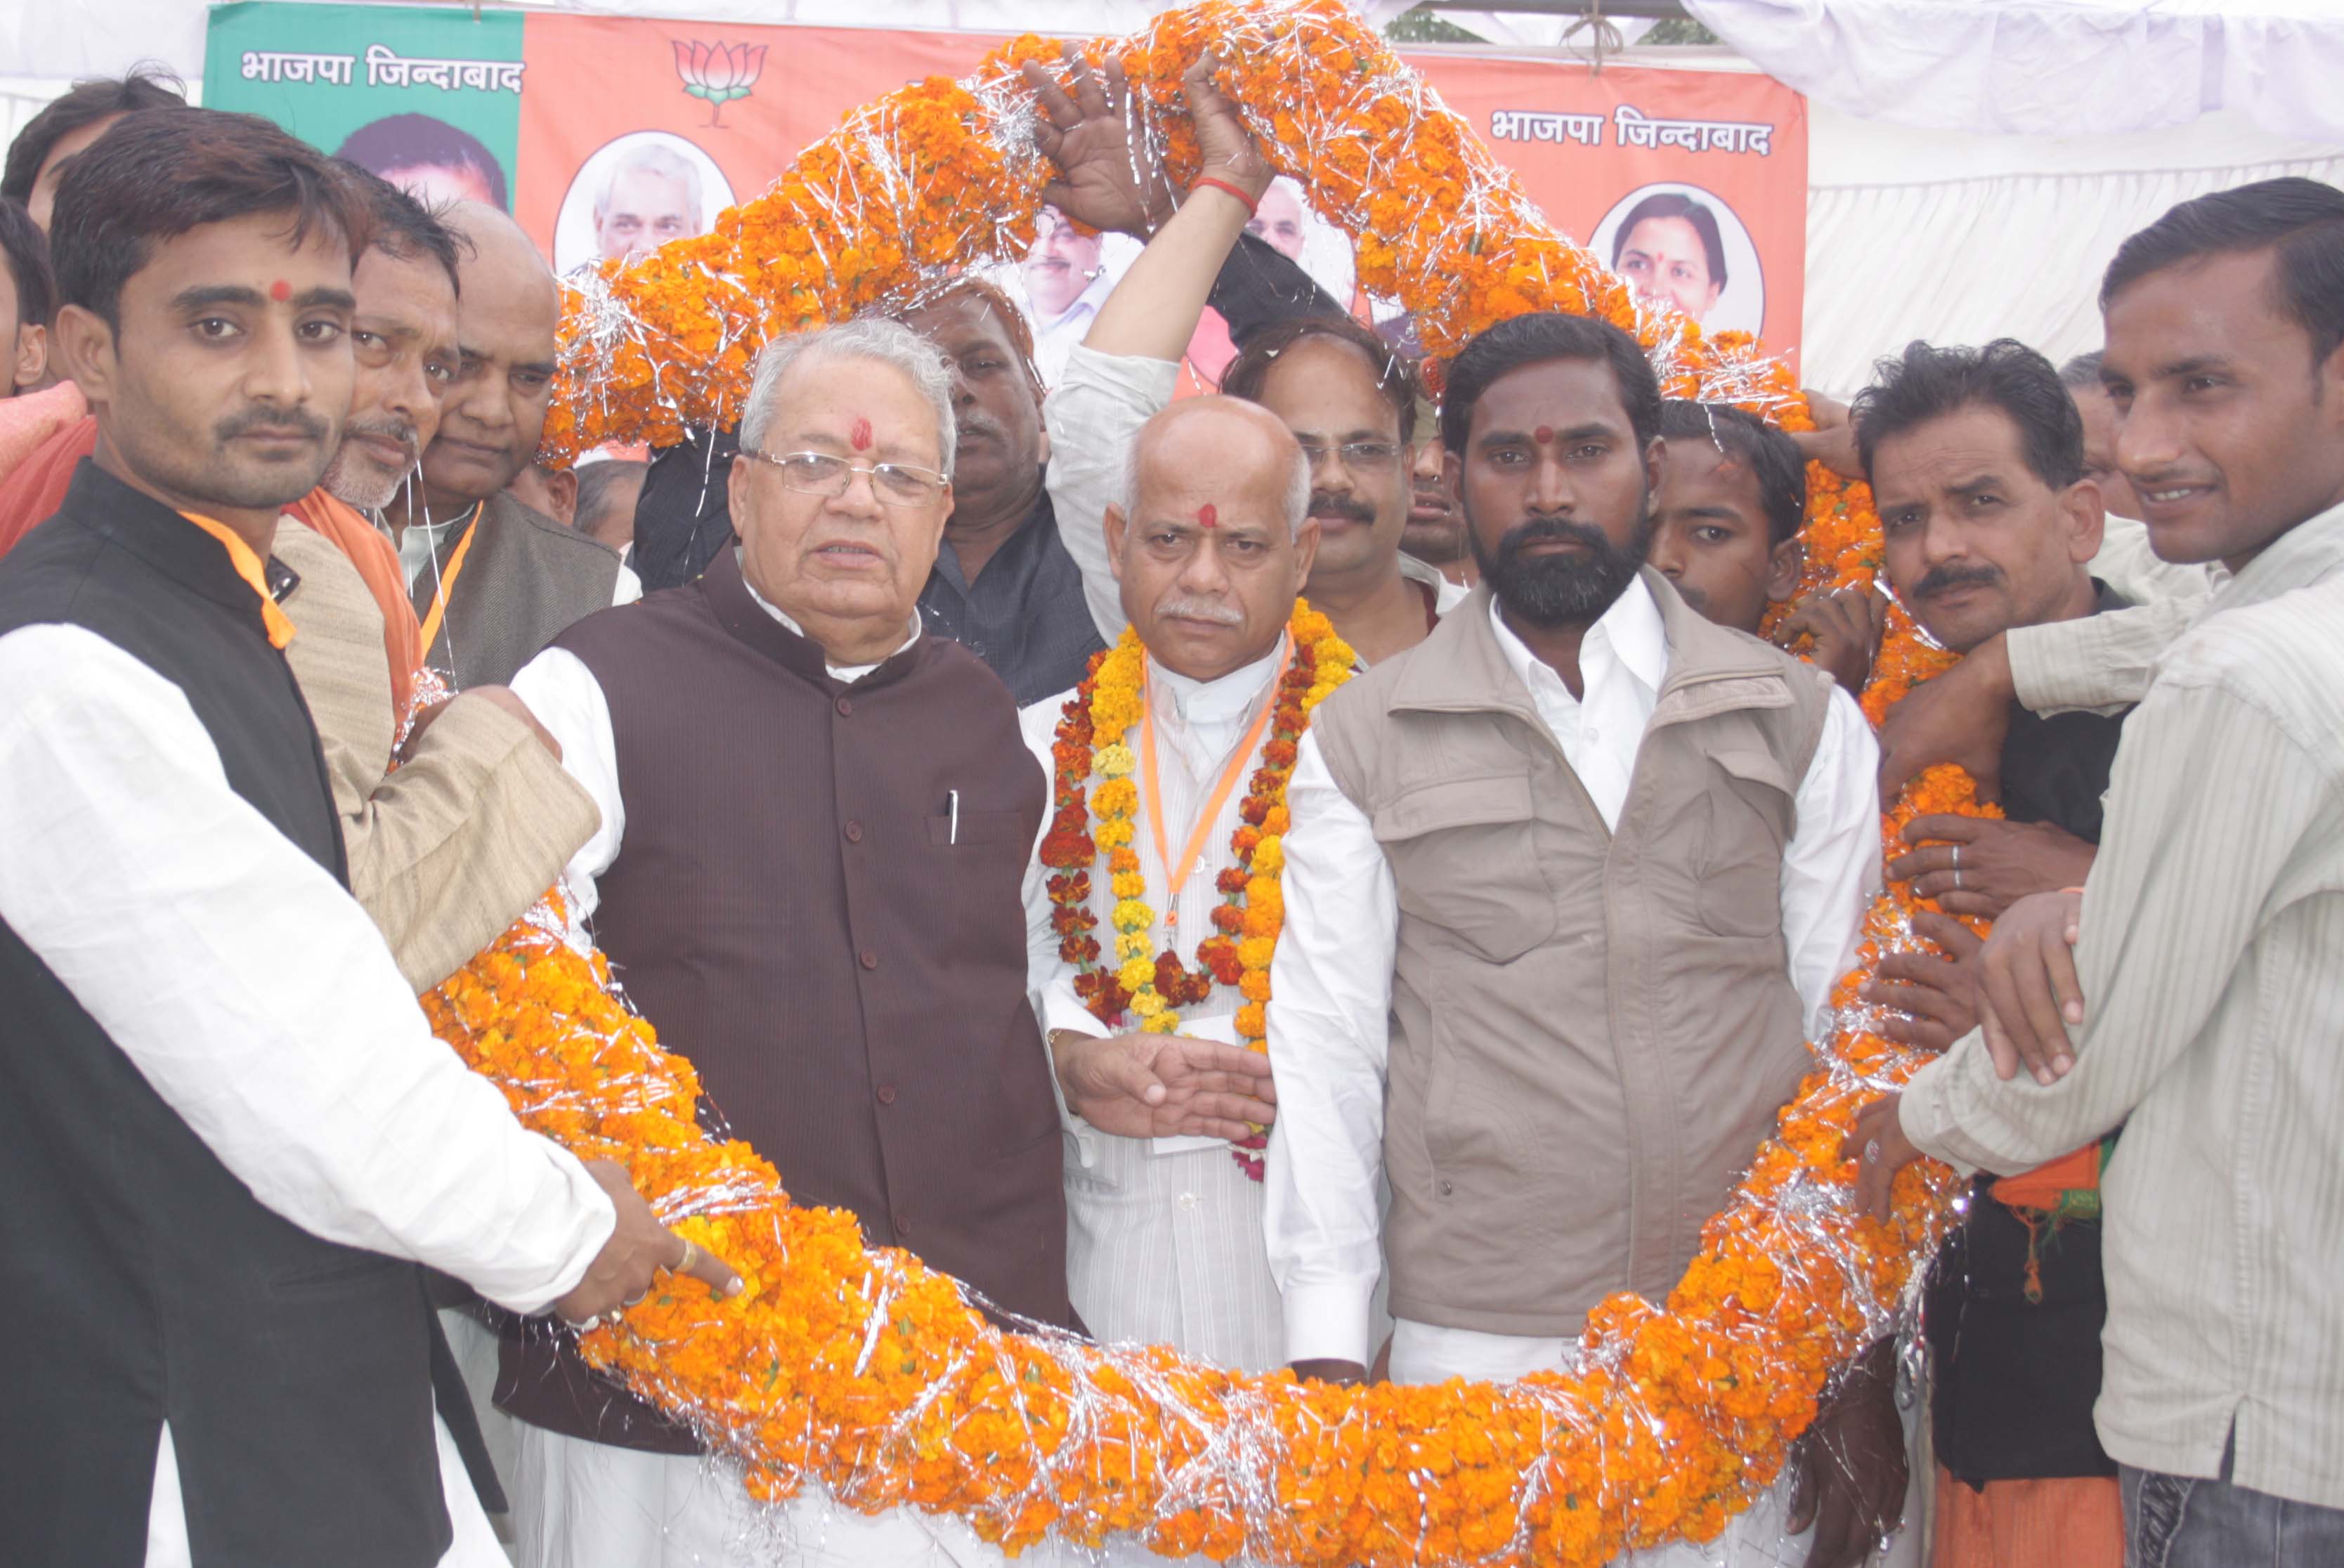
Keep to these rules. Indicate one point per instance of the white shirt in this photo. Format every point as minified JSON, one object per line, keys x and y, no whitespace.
{"x":1332,"y":976}
{"x":1058,"y":337}
{"x":569,"y":701}
{"x":253,"y":993}
{"x":1197,"y":724}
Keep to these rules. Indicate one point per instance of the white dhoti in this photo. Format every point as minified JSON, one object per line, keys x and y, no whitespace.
{"x":1754,"y":1538}
{"x":1164,"y":1248}
{"x":581,"y":1504}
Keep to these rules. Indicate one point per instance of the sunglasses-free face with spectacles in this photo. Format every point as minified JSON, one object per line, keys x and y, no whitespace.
{"x":1359,"y":456}
{"x":821,"y":473}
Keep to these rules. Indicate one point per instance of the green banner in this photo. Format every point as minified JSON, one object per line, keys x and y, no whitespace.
{"x":427,"y":96}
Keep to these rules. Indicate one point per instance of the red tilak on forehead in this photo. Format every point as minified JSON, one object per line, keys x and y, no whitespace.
{"x":858,"y":434}
{"x":1208,"y":516}
{"x":1544,"y":433}
{"x":280,"y":291}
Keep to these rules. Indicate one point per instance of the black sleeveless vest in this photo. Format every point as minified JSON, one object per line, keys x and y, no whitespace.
{"x":140,"y":1281}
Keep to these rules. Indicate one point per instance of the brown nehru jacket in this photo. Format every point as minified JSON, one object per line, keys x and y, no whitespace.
{"x":794,"y":909}
{"x":1592,"y":1033}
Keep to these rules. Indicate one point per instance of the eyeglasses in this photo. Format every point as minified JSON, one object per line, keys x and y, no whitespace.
{"x":820,"y":473}
{"x":1359,"y":456}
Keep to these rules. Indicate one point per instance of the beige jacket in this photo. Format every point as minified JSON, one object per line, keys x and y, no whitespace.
{"x":449,"y":849}
{"x":1591,"y":1032}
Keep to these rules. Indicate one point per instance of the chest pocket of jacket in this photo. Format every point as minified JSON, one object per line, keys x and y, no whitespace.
{"x":1464,"y":859}
{"x":984,"y":864}
{"x":1747,"y":819}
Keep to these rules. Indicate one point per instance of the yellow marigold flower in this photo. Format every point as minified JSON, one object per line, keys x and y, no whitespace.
{"x":1129,"y":885}
{"x":1131,"y":915}
{"x":1136,"y":974}
{"x":1115,"y":761}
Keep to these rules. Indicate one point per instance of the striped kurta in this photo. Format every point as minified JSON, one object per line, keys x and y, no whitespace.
{"x":2212,"y":964}
{"x":1163,"y":1241}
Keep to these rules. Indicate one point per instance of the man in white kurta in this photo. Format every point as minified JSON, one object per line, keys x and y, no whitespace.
{"x":1165,"y":1243}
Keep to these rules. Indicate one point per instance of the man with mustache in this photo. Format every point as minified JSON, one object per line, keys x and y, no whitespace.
{"x":1988,"y":523}
{"x":448,"y":851}
{"x":1567,"y":887}
{"x":815,"y":818}
{"x":227,"y":1135}
{"x":493,"y":579}
{"x":1209,"y":547}
{"x":2189,"y":990}
{"x":1346,"y":395}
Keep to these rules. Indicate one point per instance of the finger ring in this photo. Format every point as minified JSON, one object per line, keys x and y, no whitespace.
{"x":1957,"y":857}
{"x":1872,"y":1152}
{"x":634,"y":1301}
{"x":690,"y":1256}
{"x":1957,"y":876}
{"x":590,"y":1325}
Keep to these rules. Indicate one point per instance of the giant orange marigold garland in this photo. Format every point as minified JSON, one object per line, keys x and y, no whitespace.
{"x":858,"y":1367}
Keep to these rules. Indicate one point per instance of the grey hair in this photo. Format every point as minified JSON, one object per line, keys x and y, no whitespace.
{"x":871,"y":338}
{"x":1298,"y":486}
{"x":656,"y":159}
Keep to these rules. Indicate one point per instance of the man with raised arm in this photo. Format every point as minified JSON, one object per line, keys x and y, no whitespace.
{"x":1345,"y":395}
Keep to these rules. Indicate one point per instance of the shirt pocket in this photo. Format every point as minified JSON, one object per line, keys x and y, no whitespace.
{"x":1747,"y":817}
{"x":983,"y":865}
{"x":1464,"y":859}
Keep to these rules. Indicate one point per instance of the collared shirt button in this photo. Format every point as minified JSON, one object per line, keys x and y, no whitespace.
{"x":1448,"y":1189}
{"x":902,"y":1224}
{"x":855,"y":832}
{"x":868,"y":959}
{"x":886,"y":1094}
{"x":1187,"y":1199}
{"x":846,"y":706}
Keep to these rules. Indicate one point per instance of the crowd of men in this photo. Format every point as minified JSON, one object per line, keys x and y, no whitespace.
{"x":1571,"y":867}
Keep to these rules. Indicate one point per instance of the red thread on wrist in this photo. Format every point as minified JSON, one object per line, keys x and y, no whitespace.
{"x":1251,"y":203}
{"x":2077,"y":891}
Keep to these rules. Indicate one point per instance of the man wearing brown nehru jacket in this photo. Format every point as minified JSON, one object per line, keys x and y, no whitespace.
{"x":815,"y":822}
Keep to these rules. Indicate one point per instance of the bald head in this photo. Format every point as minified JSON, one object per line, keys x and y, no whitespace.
{"x":1237,"y":440}
{"x":1212,"y":542}
{"x":509,"y":316}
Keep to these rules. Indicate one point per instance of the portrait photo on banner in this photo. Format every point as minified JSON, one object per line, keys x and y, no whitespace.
{"x":1684,"y":244}
{"x":635,"y":193}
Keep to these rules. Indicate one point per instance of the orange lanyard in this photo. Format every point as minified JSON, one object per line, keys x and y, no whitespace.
{"x":447,"y":588}
{"x":247,"y":566}
{"x":1177,"y":875}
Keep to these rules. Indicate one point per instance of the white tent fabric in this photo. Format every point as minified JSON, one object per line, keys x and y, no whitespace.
{"x":1953,"y":235}
{"x":2051,"y":67}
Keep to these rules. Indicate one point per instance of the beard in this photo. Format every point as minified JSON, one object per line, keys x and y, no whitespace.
{"x":358,"y":478}
{"x":1549,"y":590}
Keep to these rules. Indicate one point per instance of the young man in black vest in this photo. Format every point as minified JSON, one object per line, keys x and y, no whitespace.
{"x":228,"y":1137}
{"x":1988,"y":522}
{"x":816,"y":820}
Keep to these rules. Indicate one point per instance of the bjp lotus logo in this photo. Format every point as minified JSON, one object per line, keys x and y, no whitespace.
{"x":719,"y":73}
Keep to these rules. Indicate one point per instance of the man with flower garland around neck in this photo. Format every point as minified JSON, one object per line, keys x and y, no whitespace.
{"x":1159,"y":869}
{"x":1567,"y":887}
{"x":815,"y":818}
{"x":1343,"y":393}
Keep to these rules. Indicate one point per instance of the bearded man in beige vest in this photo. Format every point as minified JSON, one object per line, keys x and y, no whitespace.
{"x":1567,"y":887}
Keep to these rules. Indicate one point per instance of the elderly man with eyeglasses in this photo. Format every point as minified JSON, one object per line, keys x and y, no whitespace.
{"x":815,"y":820}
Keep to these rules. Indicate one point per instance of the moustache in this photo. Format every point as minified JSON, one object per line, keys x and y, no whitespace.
{"x":395,"y":429}
{"x":254,"y":420}
{"x":1540,"y":531}
{"x":1944,"y":579}
{"x":1330,"y":504}
{"x":1188,"y":606}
